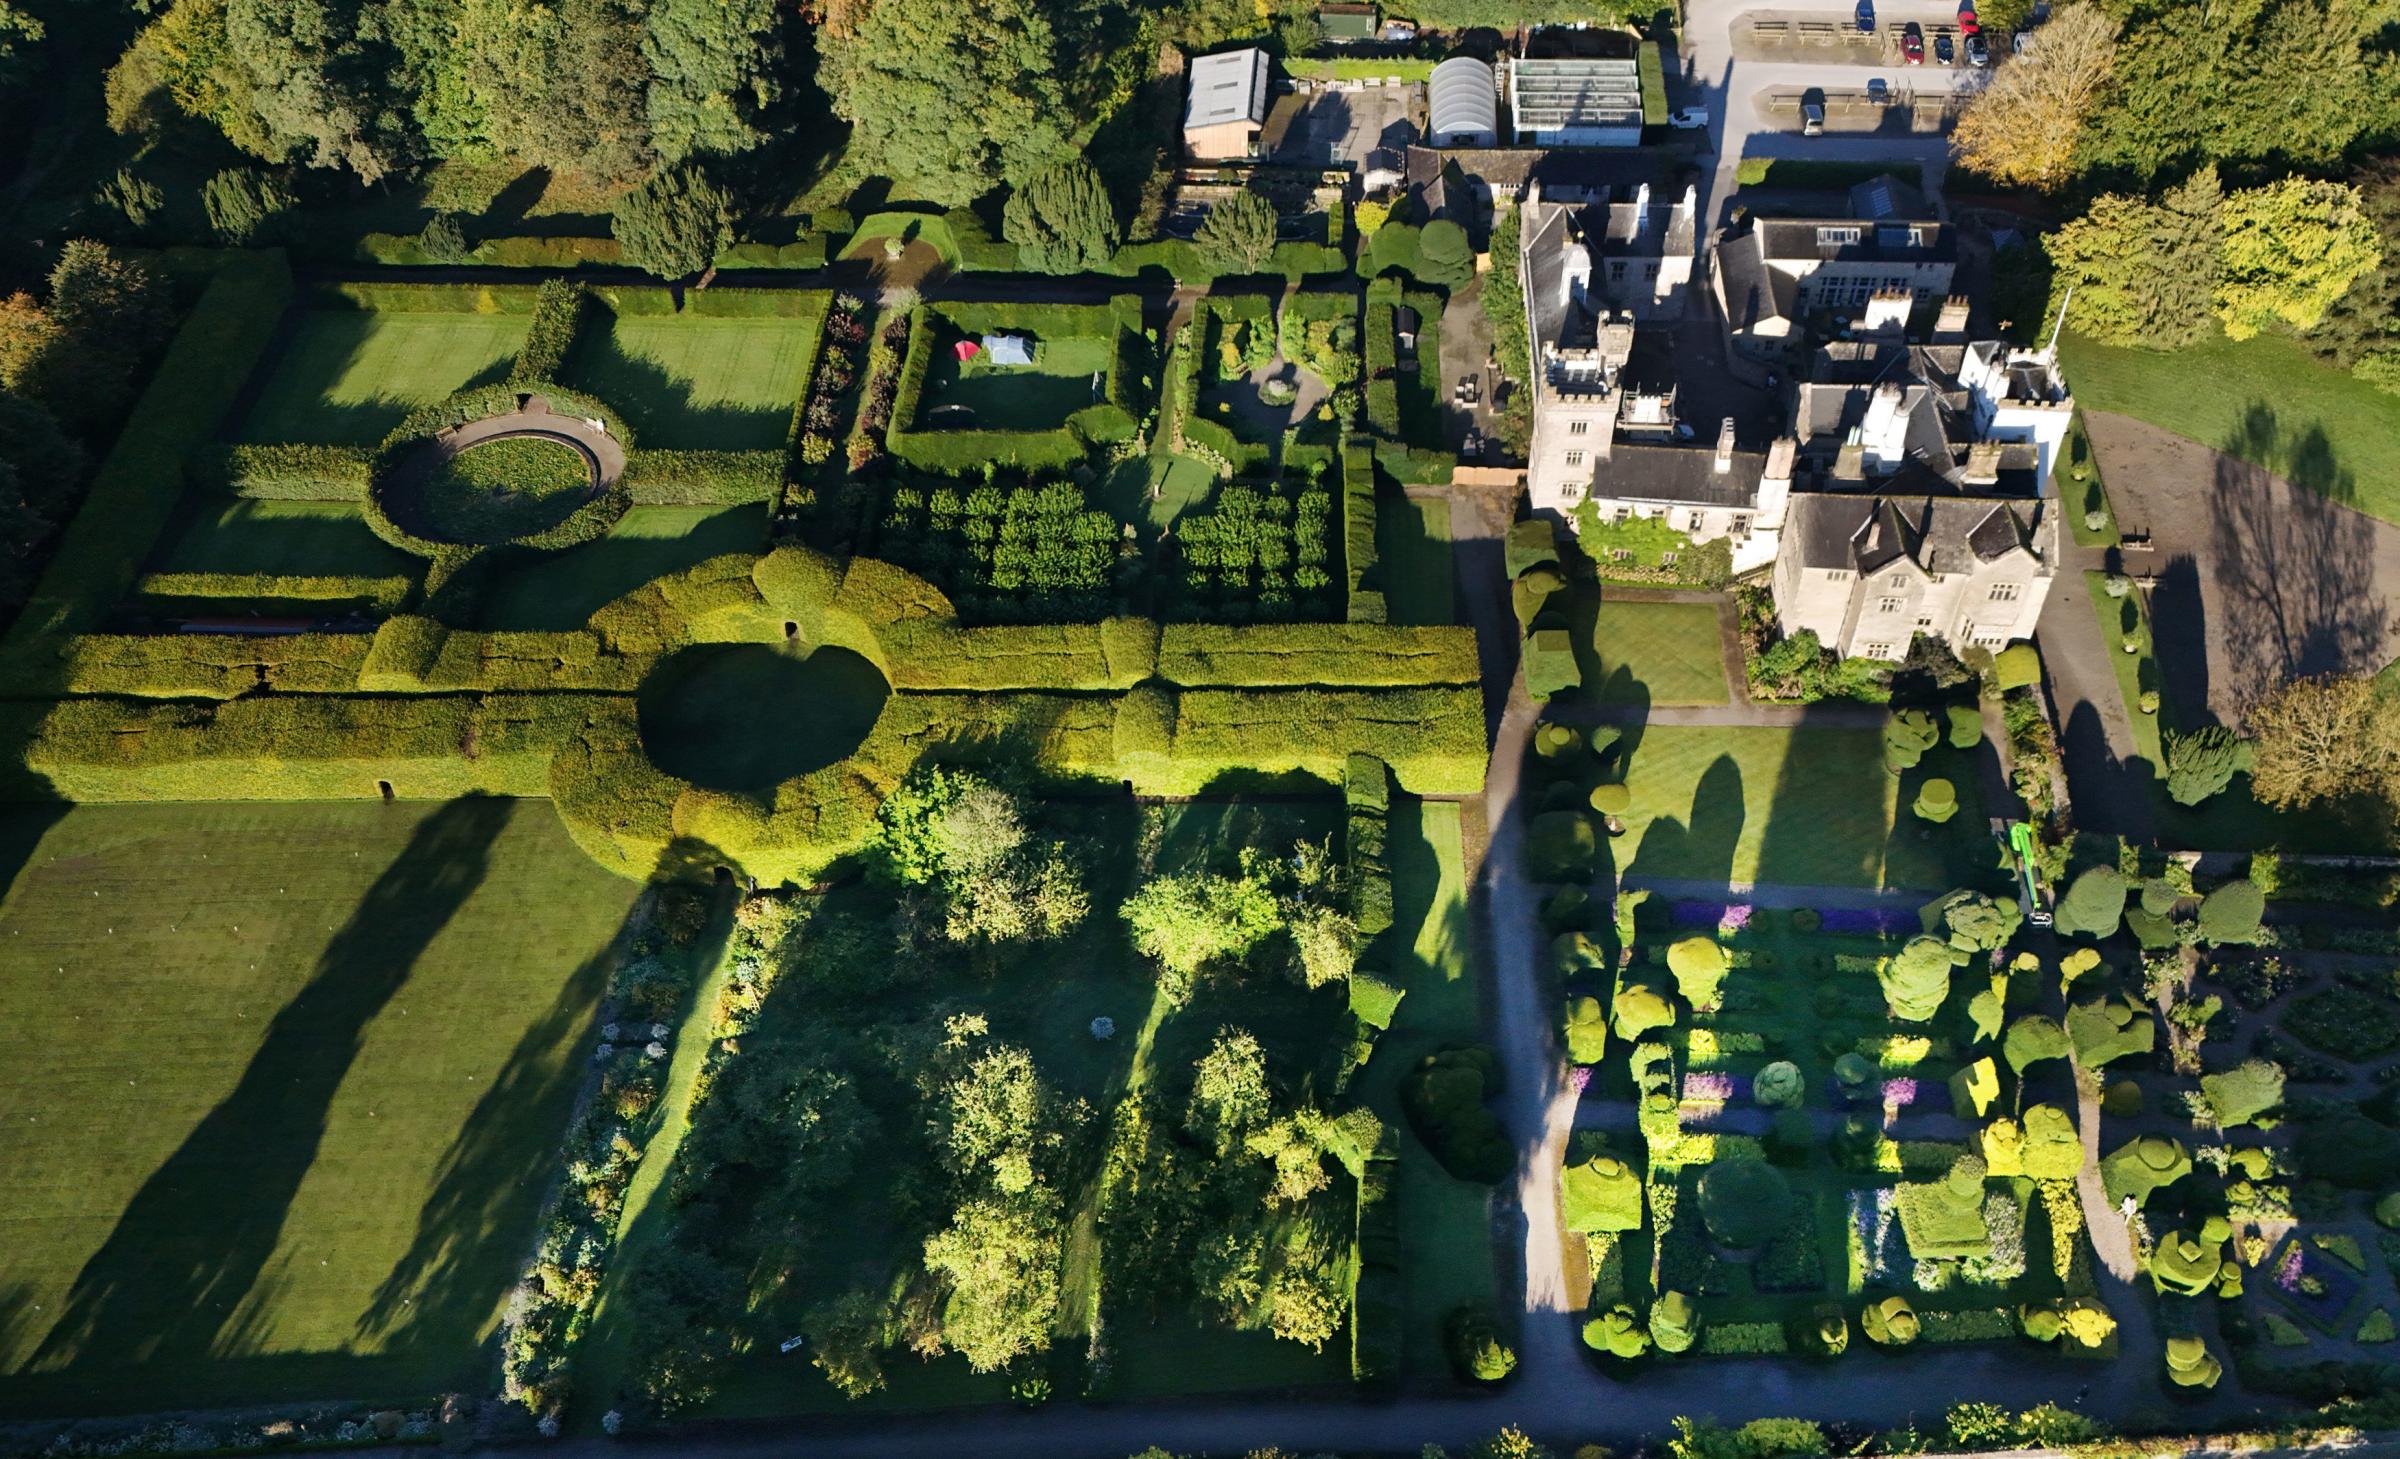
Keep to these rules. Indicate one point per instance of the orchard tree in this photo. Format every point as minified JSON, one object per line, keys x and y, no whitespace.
{"x":2023,"y":128}
{"x":1239,"y":234}
{"x":1229,"y":1091}
{"x":1061,"y":220}
{"x":2291,"y":249}
{"x":1001,"y":1259}
{"x":675,"y":224}
{"x":2326,"y":739}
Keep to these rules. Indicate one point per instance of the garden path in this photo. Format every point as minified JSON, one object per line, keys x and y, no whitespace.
{"x":604,"y":453}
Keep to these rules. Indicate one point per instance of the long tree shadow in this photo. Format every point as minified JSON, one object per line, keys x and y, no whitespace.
{"x":1700,"y":849}
{"x":2295,"y":573}
{"x":664,"y":409}
{"x":171,"y":1279}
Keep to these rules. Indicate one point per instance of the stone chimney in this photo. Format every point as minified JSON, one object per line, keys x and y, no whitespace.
{"x":1887,"y":312}
{"x":1884,"y":433}
{"x":1950,"y":326}
{"x":1616,"y":343}
{"x":1724,"y":461}
{"x":1575,"y":272}
{"x":1983,"y":464}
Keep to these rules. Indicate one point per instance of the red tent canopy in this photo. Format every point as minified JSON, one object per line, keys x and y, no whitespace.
{"x":966,"y":349}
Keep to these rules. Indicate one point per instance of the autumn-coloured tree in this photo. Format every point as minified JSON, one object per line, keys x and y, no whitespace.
{"x":2326,"y":739}
{"x":2022,"y":129}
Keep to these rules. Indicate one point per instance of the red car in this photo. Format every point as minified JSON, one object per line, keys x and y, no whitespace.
{"x":1966,"y":20}
{"x":1912,"y":45}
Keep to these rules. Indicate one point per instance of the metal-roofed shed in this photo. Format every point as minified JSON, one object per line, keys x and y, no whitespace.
{"x":1227,"y":104}
{"x":1464,"y":104}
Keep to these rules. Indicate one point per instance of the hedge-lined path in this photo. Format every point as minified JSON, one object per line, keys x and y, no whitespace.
{"x":1745,"y":715}
{"x":603,"y":453}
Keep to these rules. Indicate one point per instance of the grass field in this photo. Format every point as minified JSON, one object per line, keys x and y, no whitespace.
{"x":1035,"y":397}
{"x":305,"y":1070}
{"x":558,"y":590}
{"x":1445,"y":1222}
{"x":217,"y":534}
{"x":1150,"y":492}
{"x":1412,"y":550}
{"x":347,"y":376}
{"x":2319,"y":427}
{"x":1649,"y":653}
{"x":1808,"y":806}
{"x":697,"y":382}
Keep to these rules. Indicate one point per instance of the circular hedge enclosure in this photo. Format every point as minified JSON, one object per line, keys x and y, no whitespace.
{"x":530,"y":465}
{"x":746,"y":717}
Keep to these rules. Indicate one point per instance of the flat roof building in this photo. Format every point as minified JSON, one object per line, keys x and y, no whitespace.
{"x":1227,"y":105}
{"x":1576,"y":101}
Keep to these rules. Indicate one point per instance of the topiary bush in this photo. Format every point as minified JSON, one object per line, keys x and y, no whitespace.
{"x":2143,"y":1165}
{"x":1601,"y":1194}
{"x":2243,"y":1093}
{"x":1611,"y":800}
{"x":1907,"y":735}
{"x":2094,"y":905}
{"x":1889,"y":1322}
{"x":1744,"y":1203}
{"x":1936,"y":802}
{"x":2051,"y":1148}
{"x":2032,"y":1039}
{"x":2016,"y":666}
{"x":1674,"y":1322}
{"x":1471,"y":1336}
{"x":1699,"y":966}
{"x":2191,"y":1365}
{"x":1586,"y":1030}
{"x":1561,"y":847}
{"x":1618,"y":1333}
{"x":1780,"y":1085}
{"x":1917,"y":980}
{"x":1639,"y":1009}
{"x":1443,"y":1098}
{"x":2231,"y":913}
{"x":1966,"y":726}
{"x":2108,"y":1029}
{"x":2185,"y":1264}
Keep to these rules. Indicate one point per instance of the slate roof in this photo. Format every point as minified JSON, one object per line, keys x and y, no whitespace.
{"x":1228,"y":87}
{"x":1682,"y":475}
{"x":1866,"y":533}
{"x":1897,"y":240}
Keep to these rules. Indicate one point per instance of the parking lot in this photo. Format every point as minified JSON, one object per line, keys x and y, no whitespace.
{"x":1339,"y":123}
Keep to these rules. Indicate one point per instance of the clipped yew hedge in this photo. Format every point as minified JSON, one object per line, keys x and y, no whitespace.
{"x":701,"y":478}
{"x":299,"y":473}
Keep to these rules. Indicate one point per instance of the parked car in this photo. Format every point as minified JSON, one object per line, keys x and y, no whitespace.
{"x":1912,"y":44}
{"x":1879,"y":91}
{"x":1967,"y":24}
{"x":1942,"y":49}
{"x":1866,"y":16}
{"x":1690,"y":119}
{"x":2021,"y":43}
{"x":1978,"y":54}
{"x":1812,"y":112}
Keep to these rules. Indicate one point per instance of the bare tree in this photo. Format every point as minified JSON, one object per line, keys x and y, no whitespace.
{"x":2022,"y":128}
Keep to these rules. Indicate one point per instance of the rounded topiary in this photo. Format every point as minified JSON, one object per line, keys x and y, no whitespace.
{"x":1477,"y":1353}
{"x":1611,"y":800}
{"x":1639,"y":1009}
{"x":2087,"y":1323}
{"x":1807,"y":919}
{"x":1567,"y":909}
{"x":2184,"y":1264}
{"x":1674,"y":1322}
{"x":1618,"y":1333}
{"x":1779,"y":1085}
{"x":1555,"y":741}
{"x":1587,"y":1030}
{"x":1699,"y":966}
{"x":2041,"y":1321}
{"x":1890,"y":1322}
{"x":1829,"y":1330}
{"x":1857,"y":1074}
{"x":1575,"y":952}
{"x":1937,"y":801}
{"x":1601,"y":1194}
{"x":2191,"y":1365}
{"x":1744,"y":1203}
{"x":2123,"y":1101}
{"x":1560,"y":846}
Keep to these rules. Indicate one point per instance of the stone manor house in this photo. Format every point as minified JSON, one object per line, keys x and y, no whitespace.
{"x":1905,"y":494}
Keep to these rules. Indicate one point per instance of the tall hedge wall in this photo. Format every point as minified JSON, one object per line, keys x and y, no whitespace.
{"x":137,"y":486}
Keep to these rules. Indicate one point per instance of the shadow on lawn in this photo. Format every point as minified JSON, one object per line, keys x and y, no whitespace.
{"x":175,"y":1278}
{"x":663,"y":409}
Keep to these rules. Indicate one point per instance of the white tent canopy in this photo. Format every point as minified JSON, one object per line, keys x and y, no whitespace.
{"x":1008,"y":349}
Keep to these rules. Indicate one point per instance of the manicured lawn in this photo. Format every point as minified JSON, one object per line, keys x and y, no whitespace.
{"x":1811,"y":806}
{"x":1037,"y":397}
{"x":1445,"y":1222}
{"x":1650,"y":653}
{"x":1412,"y":549}
{"x":215,"y":534}
{"x":2321,"y":428}
{"x":347,"y":376}
{"x":1149,"y":492}
{"x":559,"y":590}
{"x":506,"y":489}
{"x":2122,"y":621}
{"x":2081,"y":491}
{"x":697,"y":382}
{"x":304,"y":1071}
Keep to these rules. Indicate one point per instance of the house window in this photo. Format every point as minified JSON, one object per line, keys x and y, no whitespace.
{"x":2005,"y":592}
{"x":1838,"y":575}
{"x":1887,"y":605}
{"x":1579,"y":428}
{"x":1624,"y":514}
{"x":1620,"y":554}
{"x":1876,"y":650}
{"x":1924,"y":625}
{"x":1741,"y":525}
{"x":1897,"y":580}
{"x":1832,"y":237}
{"x":1667,"y":559}
{"x":1574,"y":458}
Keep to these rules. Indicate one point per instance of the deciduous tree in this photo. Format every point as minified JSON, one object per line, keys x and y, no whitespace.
{"x":2023,"y":128}
{"x":2326,"y":739}
{"x":2289,"y":251}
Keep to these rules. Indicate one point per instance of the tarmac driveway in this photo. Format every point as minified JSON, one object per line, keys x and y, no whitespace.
{"x":2258,"y":580}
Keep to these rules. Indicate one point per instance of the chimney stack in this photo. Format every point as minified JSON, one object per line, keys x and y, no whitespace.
{"x":1951,"y":325}
{"x":1724,"y":461}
